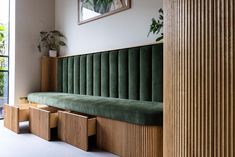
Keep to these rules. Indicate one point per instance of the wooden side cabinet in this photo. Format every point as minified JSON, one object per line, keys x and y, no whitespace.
{"x":75,"y":129}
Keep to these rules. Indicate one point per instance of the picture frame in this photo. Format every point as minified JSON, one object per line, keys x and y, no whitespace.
{"x":90,"y":10}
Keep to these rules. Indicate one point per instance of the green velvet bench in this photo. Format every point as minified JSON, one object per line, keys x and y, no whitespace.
{"x":132,"y":111}
{"x":123,"y":89}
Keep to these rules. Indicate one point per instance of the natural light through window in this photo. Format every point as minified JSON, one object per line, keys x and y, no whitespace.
{"x":4,"y":58}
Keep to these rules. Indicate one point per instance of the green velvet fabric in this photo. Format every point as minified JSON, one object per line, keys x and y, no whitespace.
{"x":97,"y":75}
{"x":89,"y":76}
{"x":146,"y":73}
{"x":132,"y":111}
{"x":60,"y":76}
{"x":76,"y":75}
{"x":65,"y":75}
{"x":105,"y":74}
{"x":157,"y":73}
{"x":134,"y":74}
{"x":123,"y":74}
{"x":113,"y":74}
{"x":70,"y":74}
{"x":131,"y":73}
{"x":83,"y":75}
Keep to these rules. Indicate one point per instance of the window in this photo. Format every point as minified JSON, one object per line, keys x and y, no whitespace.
{"x":4,"y":58}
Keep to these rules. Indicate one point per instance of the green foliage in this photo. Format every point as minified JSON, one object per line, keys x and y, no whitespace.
{"x":157,"y":25}
{"x":99,"y":6}
{"x":3,"y":32}
{"x":3,"y":83}
{"x":51,"y":40}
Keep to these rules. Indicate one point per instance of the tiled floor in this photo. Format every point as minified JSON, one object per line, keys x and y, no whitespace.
{"x":29,"y":145}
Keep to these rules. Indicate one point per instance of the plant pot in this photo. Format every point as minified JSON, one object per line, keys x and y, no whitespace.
{"x":53,"y":53}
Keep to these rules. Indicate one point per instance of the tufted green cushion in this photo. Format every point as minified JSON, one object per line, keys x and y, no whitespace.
{"x":132,"y":111}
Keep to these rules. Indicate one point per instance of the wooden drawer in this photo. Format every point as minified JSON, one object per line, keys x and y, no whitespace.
{"x":42,"y":119}
{"x":14,"y":114}
{"x":75,"y":128}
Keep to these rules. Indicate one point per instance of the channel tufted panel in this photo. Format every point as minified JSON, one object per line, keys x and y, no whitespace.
{"x":146,"y":73}
{"x":97,"y":75}
{"x":89,"y":76}
{"x":105,"y":74}
{"x":83,"y":75}
{"x":113,"y":74}
{"x":123,"y":74}
{"x":65,"y":75}
{"x":70,"y":75}
{"x":76,"y":75}
{"x":132,"y":73}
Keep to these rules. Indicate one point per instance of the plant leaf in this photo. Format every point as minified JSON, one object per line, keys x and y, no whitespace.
{"x":159,"y":38}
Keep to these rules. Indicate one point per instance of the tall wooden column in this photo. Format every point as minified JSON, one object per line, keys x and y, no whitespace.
{"x":199,"y":78}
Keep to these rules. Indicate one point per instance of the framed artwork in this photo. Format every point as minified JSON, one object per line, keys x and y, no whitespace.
{"x":89,"y":10}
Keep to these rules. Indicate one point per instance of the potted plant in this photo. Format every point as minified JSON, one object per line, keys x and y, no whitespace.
{"x":51,"y":41}
{"x":157,"y":25}
{"x":2,"y":38}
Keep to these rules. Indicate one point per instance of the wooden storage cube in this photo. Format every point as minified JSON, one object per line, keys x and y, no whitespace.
{"x":14,"y":114}
{"x":41,"y":120}
{"x":75,"y":128}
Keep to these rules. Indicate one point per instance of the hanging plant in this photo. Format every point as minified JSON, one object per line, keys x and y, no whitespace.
{"x":156,"y":26}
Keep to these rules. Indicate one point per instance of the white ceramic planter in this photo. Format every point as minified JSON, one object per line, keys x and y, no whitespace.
{"x":53,"y":53}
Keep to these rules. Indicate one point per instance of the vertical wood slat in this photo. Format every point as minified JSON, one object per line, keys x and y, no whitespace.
{"x":199,"y":77}
{"x":129,"y":140}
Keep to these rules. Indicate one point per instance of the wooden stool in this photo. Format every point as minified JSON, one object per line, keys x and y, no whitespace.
{"x":14,"y":114}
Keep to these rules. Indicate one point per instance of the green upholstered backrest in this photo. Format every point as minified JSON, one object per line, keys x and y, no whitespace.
{"x":131,"y":73}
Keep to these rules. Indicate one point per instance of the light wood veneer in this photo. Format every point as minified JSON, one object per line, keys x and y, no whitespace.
{"x":14,"y":114}
{"x":199,"y":78}
{"x":41,"y":120}
{"x":129,"y":140}
{"x":75,"y":129}
{"x":48,"y":74}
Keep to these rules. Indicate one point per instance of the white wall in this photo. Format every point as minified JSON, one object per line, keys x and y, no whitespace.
{"x":31,"y":17}
{"x":124,"y":29}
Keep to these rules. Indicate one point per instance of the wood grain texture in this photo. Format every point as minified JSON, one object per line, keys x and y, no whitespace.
{"x":48,"y":74}
{"x":11,"y":118}
{"x":199,"y":84}
{"x":129,"y":140}
{"x":75,"y":129}
{"x":14,"y":114}
{"x":41,"y":120}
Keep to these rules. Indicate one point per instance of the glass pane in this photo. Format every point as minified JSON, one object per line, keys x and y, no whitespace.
{"x":4,"y":33}
{"x":3,"y":63}
{"x":3,"y":89}
{"x":4,"y":20}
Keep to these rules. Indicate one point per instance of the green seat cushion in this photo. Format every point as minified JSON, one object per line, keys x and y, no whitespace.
{"x":132,"y":111}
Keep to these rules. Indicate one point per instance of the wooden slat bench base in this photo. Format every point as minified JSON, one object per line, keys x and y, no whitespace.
{"x":129,"y":140}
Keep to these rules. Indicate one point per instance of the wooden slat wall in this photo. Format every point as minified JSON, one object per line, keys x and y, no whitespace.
{"x":199,"y":81}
